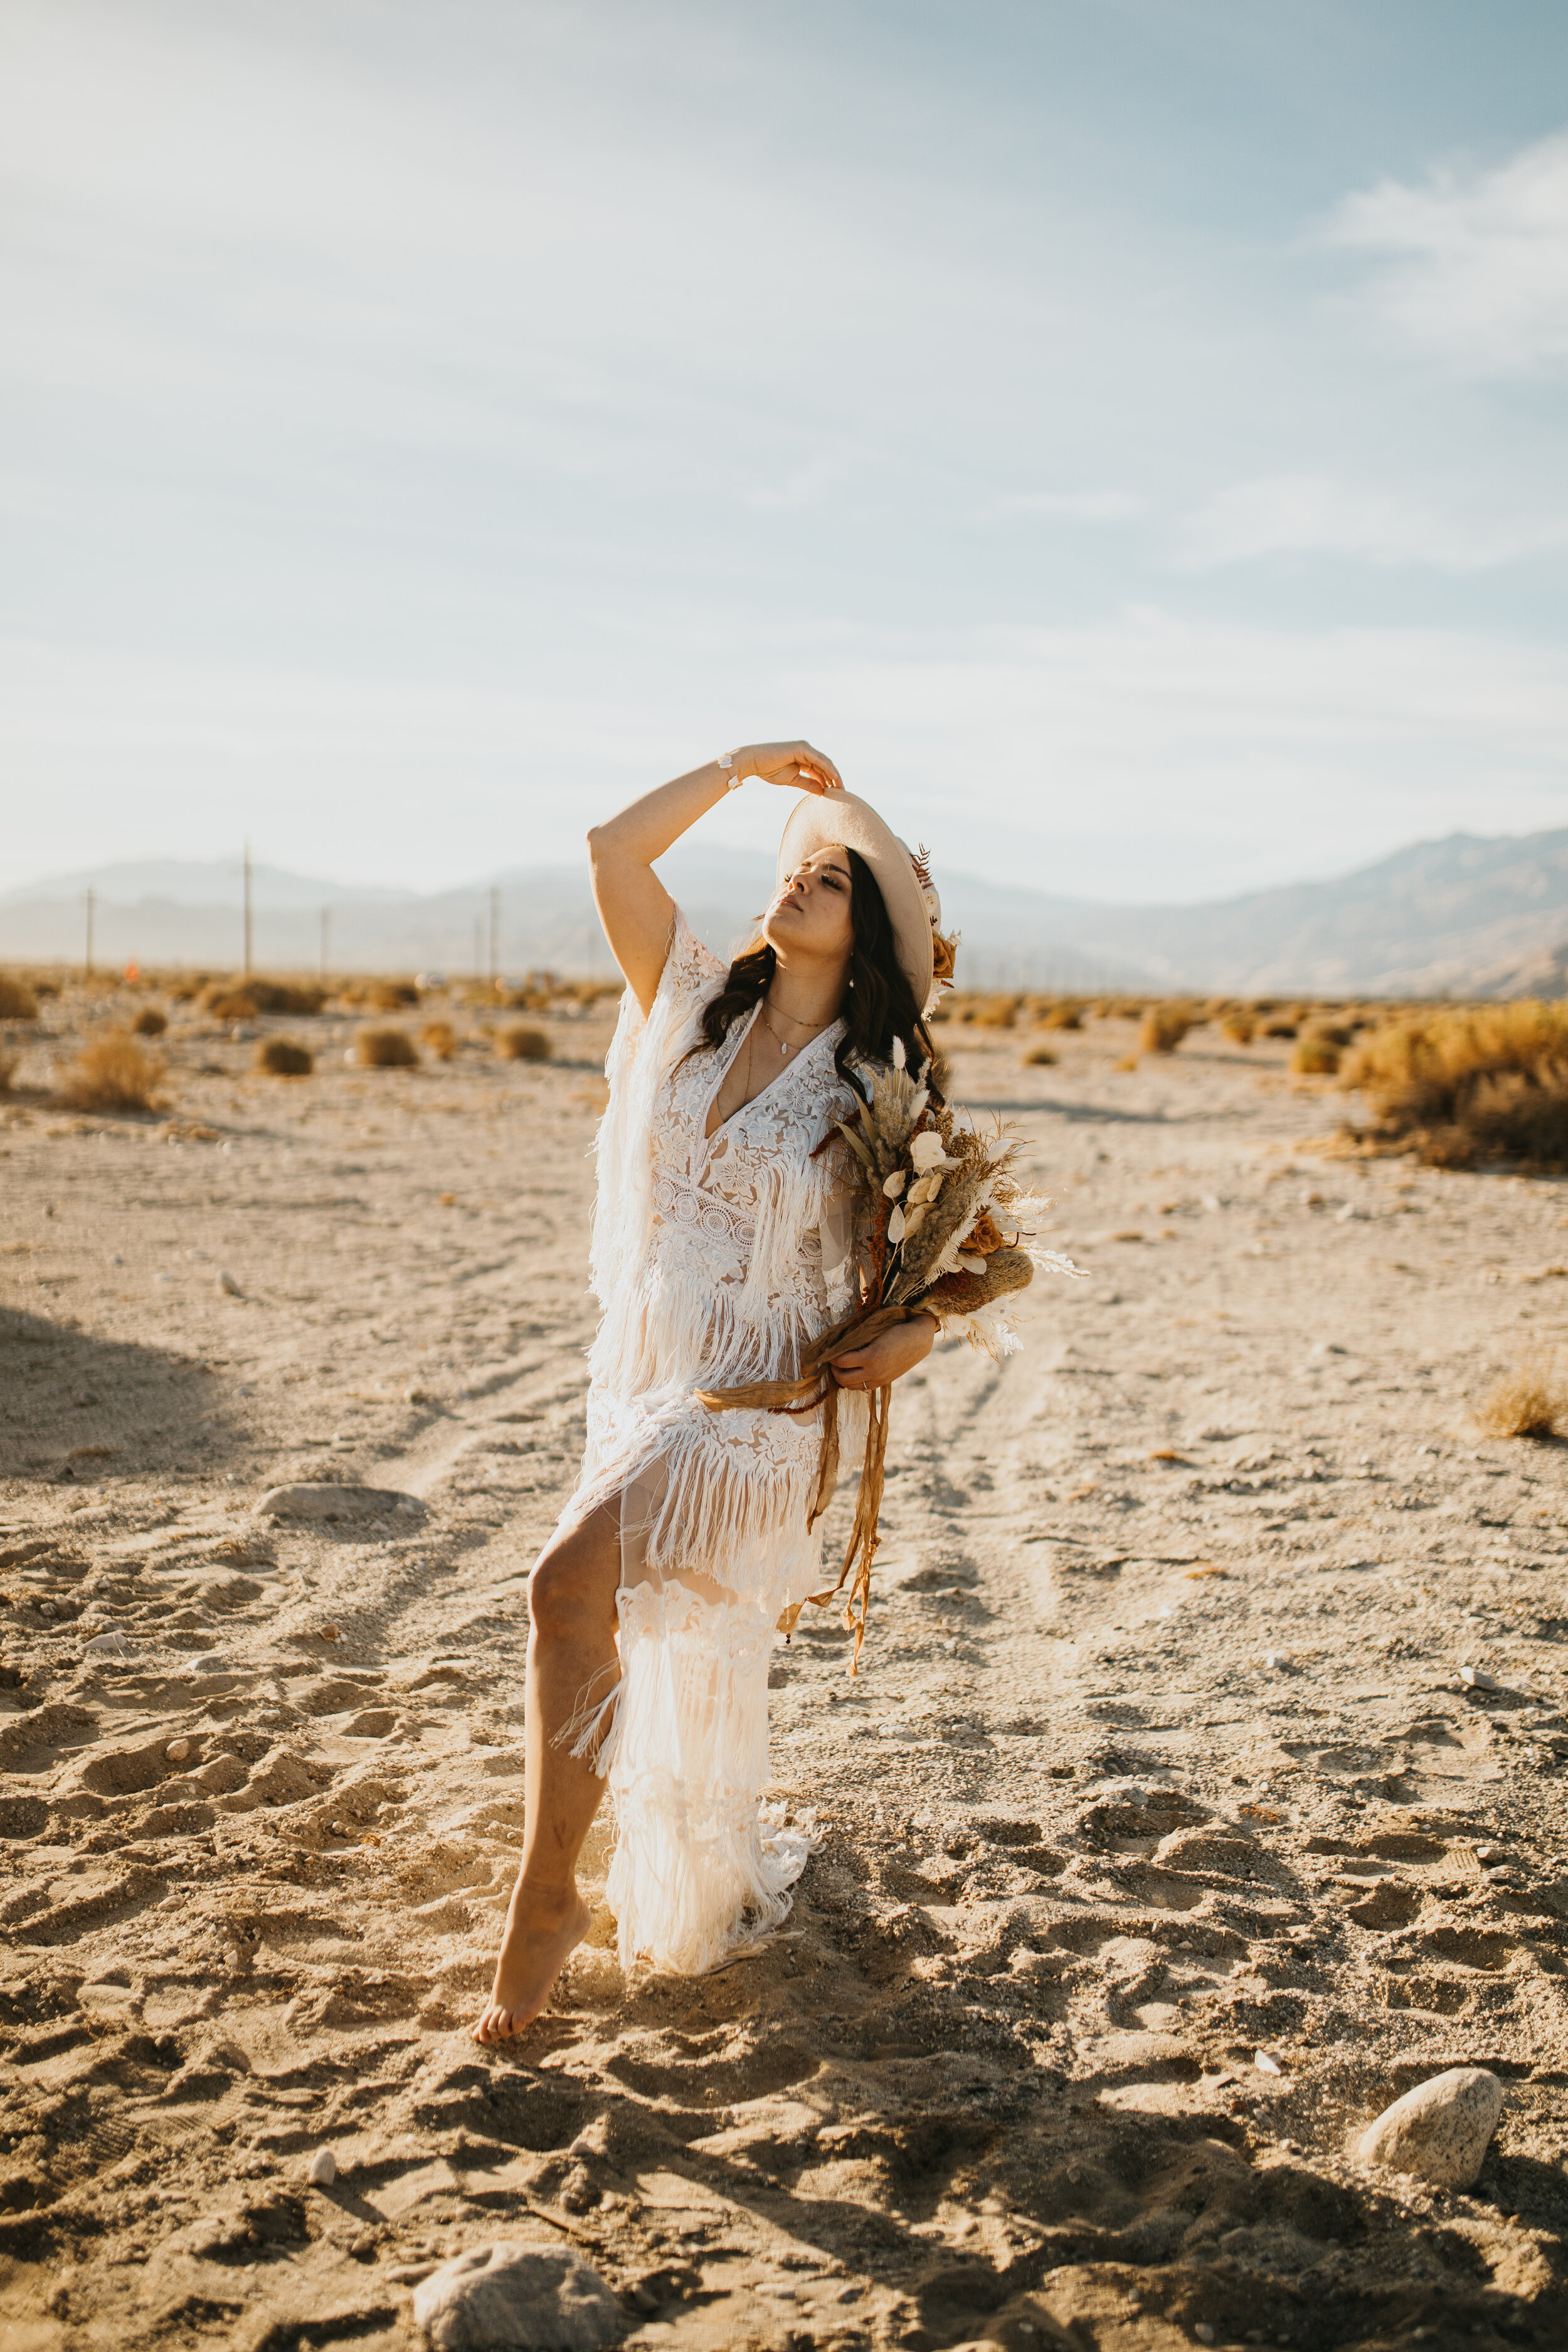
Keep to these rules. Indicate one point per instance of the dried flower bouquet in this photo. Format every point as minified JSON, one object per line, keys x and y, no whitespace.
{"x":942,"y":1201}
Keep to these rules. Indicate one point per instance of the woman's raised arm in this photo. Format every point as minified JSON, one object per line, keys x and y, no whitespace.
{"x":634,"y":905}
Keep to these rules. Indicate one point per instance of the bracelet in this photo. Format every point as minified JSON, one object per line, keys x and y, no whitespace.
{"x":727,"y":761}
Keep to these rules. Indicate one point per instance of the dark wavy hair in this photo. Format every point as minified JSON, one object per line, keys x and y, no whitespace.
{"x":878,"y":1004}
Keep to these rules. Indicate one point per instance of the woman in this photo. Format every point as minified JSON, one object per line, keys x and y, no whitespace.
{"x":722,"y":1242}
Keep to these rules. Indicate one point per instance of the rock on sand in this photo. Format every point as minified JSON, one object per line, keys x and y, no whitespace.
{"x":528,"y":2296}
{"x":1440,"y":2130}
{"x":324,"y":1501}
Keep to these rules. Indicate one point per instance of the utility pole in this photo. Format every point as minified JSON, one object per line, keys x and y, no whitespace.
{"x":89,"y":900}
{"x":478,"y":948}
{"x":326,"y":926}
{"x":248,"y":910}
{"x":495,"y":932}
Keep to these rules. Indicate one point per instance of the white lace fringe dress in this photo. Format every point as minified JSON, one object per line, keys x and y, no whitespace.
{"x":713,"y":1260}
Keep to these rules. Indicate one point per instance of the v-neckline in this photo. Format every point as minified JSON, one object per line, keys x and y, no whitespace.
{"x":706,"y":1139}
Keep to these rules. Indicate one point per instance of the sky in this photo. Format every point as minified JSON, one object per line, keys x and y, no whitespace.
{"x":1126,"y":435}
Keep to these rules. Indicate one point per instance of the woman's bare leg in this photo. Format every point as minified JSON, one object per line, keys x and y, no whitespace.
{"x":571,"y":1652}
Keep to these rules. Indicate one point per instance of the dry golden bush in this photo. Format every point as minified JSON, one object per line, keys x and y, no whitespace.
{"x":149,"y":1023}
{"x":379,"y":995}
{"x":518,"y":1043}
{"x":1117,"y":1008}
{"x":1128,"y":1062}
{"x":1164,"y":1025}
{"x":1525,"y":1404}
{"x":998,"y":1012}
{"x":242,"y":999}
{"x":113,"y":1072}
{"x":1463,"y":1086}
{"x":280,"y":1057}
{"x":1315,"y":1055}
{"x":386,"y":1049}
{"x":439,"y":1038}
{"x":17,"y":1000}
{"x":8,"y":1063}
{"x":1240,"y":1023}
{"x":1279,"y":1028}
{"x":1063,"y":1016}
{"x":1039,"y":1058}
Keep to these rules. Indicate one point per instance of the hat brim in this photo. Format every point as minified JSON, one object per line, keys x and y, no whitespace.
{"x":840,"y":820}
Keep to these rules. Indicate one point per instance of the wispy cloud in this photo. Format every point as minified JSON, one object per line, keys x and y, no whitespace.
{"x":1477,"y":258}
{"x":1074,"y":506}
{"x":1314,"y":514}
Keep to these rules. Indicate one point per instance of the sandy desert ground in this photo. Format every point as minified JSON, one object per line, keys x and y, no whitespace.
{"x":1163,"y":1842}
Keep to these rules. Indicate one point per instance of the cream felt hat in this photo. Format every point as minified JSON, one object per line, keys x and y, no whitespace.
{"x":839,"y":820}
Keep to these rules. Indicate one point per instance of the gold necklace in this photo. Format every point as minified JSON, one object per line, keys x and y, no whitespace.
{"x":767,"y":1006}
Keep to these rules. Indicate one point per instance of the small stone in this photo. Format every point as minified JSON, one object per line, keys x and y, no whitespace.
{"x":108,"y":1646}
{"x":1274,"y":1660}
{"x":228,"y":1287}
{"x":320,"y":1501}
{"x":323,"y":2168}
{"x":177,"y":1750}
{"x":1476,"y":1678}
{"x":1491,"y":1854}
{"x":1203,"y":2332}
{"x":1266,"y":2065}
{"x":532,"y":2297}
{"x":1440,"y":2131}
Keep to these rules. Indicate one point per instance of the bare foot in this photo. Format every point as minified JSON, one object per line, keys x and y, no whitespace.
{"x":533,"y":1955}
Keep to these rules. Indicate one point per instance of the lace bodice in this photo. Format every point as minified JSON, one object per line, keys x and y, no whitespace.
{"x":708,"y":1192}
{"x":738,"y":1243}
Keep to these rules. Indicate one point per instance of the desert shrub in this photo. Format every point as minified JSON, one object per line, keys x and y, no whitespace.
{"x":8,"y":1063}
{"x":280,"y":1057}
{"x":149,"y":1023}
{"x":439,"y":1038}
{"x":1315,"y":1055}
{"x":243,"y":1000}
{"x":1240,"y":1023}
{"x":518,"y":1043}
{"x":113,"y":1072}
{"x":1063,"y":1016}
{"x":379,"y":995}
{"x":1165,"y":1027}
{"x":1117,"y":1008}
{"x":1526,"y":1403}
{"x":1489,"y":1081}
{"x":386,"y":1049}
{"x":17,"y":1000}
{"x":998,"y":1012}
{"x":1039,"y":1058}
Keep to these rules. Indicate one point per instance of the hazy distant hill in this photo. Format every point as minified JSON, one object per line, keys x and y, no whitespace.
{"x":1464,"y":914}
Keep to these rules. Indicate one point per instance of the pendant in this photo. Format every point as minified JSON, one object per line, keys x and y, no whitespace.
{"x":783,"y":1048}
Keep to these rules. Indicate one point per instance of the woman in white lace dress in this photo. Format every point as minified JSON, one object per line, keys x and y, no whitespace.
{"x":722,"y":1242}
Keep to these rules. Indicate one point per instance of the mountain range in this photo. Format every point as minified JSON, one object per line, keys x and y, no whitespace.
{"x":1464,"y":915}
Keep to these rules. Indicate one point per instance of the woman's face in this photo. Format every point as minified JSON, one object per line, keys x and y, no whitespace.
{"x":809,"y":919}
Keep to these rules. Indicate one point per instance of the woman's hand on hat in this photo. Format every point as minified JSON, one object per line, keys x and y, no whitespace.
{"x":800,"y":765}
{"x":888,"y":1356}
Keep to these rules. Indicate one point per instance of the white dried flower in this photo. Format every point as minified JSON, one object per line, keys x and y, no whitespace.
{"x":916,"y":1219}
{"x":896,"y":1226}
{"x":901,"y":1058}
{"x":894,"y":1184}
{"x":927,"y":1154}
{"x":971,"y":1263}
